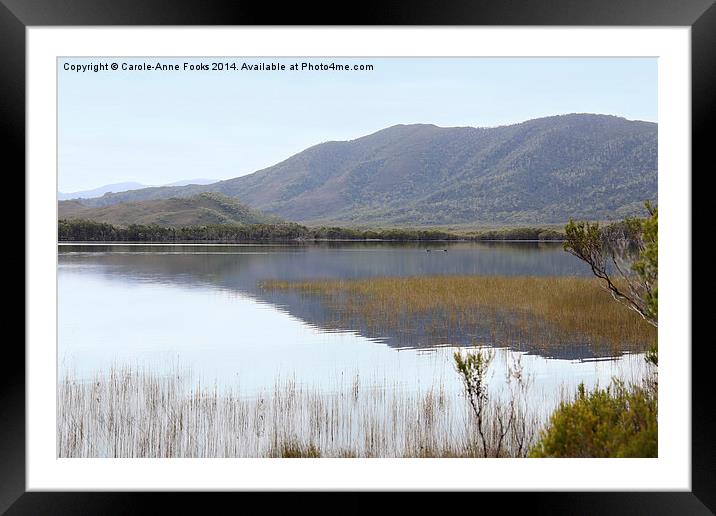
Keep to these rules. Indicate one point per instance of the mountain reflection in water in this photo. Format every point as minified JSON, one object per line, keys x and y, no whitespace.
{"x":242,"y":269}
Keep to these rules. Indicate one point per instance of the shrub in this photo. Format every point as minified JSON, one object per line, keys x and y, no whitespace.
{"x":472,"y":369}
{"x":504,"y":426}
{"x":618,"y":421}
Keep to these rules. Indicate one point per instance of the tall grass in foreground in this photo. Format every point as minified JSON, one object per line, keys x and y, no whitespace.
{"x":132,"y":413}
{"x":544,"y":312}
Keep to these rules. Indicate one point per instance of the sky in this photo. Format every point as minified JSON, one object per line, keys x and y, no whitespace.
{"x":156,"y":127}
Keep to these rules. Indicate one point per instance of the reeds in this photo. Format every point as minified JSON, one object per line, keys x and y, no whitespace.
{"x":133,"y":413}
{"x":540,"y":312}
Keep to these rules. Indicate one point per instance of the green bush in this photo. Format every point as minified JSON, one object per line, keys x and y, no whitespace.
{"x":618,"y":421}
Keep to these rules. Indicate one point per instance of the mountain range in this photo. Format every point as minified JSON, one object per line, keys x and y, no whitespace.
{"x":546,"y":170}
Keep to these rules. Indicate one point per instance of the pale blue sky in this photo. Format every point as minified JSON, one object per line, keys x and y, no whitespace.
{"x":159,"y":127}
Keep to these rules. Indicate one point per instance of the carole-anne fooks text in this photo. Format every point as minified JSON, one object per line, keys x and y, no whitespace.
{"x":215,"y":66}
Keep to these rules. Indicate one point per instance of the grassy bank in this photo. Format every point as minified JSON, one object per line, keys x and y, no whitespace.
{"x":508,"y":311}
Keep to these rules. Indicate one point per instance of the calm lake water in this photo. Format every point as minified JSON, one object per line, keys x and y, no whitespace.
{"x":201,"y":307}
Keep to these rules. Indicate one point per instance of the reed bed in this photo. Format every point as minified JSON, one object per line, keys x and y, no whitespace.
{"x":133,"y":413}
{"x":540,"y":312}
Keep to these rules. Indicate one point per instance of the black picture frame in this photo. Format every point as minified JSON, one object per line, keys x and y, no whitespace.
{"x":17,"y":15}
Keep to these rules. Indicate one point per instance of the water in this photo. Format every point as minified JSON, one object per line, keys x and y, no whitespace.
{"x":201,"y":308}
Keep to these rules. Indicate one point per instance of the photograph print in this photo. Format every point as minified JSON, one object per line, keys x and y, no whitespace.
{"x":357,"y":257}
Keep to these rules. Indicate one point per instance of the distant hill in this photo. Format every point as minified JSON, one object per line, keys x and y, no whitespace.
{"x":124,"y":187}
{"x":540,"y":171}
{"x":205,"y":208}
{"x":198,"y":181}
{"x":97,"y":192}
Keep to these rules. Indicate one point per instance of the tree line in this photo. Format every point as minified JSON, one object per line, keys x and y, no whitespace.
{"x":76,"y":230}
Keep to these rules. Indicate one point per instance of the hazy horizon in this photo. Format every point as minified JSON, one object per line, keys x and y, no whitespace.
{"x":162,"y":127}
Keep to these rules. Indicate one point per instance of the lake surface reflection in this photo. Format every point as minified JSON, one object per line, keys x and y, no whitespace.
{"x":201,"y":307}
